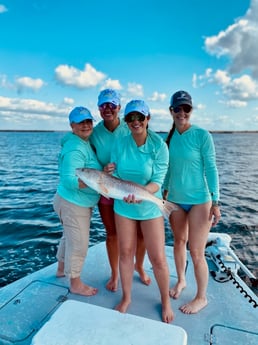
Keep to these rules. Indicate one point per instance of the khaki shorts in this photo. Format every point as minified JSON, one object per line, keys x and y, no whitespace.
{"x":74,"y":243}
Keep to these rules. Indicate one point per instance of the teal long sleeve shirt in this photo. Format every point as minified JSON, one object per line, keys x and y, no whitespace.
{"x":76,"y":153}
{"x":143,"y":164}
{"x":102,"y":140}
{"x":192,"y":176}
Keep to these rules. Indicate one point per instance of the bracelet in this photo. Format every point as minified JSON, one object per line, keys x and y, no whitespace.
{"x":215,"y":203}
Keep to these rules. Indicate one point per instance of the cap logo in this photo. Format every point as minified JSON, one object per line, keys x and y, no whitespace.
{"x":83,"y":112}
{"x":108,"y":93}
{"x":182,"y":96}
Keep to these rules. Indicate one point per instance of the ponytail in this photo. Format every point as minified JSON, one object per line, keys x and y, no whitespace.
{"x":171,"y":132}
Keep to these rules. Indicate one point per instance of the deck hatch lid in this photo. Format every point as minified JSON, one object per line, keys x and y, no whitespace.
{"x":23,"y":314}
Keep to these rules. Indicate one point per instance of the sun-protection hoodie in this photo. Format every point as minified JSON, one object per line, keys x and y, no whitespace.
{"x":76,"y":153}
{"x":192,"y":176}
{"x":141,"y":164}
{"x":102,"y":140}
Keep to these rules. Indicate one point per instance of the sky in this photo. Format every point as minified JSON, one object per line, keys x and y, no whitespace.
{"x":55,"y":55}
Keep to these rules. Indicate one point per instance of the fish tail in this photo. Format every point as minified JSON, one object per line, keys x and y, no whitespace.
{"x":168,"y":207}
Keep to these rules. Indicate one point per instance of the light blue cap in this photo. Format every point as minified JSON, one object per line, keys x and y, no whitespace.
{"x":79,"y":114}
{"x":109,"y":96}
{"x":137,"y":105}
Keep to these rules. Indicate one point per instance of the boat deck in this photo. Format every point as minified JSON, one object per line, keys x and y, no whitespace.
{"x":231,"y":316}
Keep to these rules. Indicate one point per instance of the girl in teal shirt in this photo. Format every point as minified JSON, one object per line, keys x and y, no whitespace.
{"x":141,"y":157}
{"x":191,"y":182}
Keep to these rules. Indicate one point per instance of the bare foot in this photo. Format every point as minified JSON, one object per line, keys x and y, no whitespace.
{"x":167,"y":314}
{"x":123,"y":306}
{"x":143,"y":275}
{"x":79,"y":288}
{"x":112,"y":284}
{"x":177,"y":289}
{"x":194,"y":306}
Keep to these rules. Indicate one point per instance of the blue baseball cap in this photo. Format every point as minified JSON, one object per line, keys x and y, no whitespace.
{"x":79,"y":114}
{"x":179,"y":98}
{"x":109,"y":96}
{"x":138,"y":106}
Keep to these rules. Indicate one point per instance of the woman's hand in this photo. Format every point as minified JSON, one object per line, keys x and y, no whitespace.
{"x":214,"y":214}
{"x":109,"y":168}
{"x":130,"y":199}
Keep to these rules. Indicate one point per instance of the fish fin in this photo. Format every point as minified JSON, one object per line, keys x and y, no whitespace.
{"x":168,"y":207}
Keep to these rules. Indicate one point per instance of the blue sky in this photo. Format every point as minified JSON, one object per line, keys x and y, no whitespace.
{"x":55,"y":55}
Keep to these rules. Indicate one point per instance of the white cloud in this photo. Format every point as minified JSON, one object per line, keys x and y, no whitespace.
{"x":236,"y":91}
{"x":68,"y":101}
{"x":135,"y":89}
{"x":221,"y":77}
{"x":157,"y":97}
{"x":27,"y":83}
{"x":30,"y":106}
{"x":235,"y":104}
{"x":112,"y":84}
{"x":200,"y":106}
{"x":4,"y":82}
{"x":3,"y":8}
{"x":239,"y":43}
{"x":71,"y":76}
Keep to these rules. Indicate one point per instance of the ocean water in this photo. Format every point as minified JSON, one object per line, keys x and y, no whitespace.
{"x":30,"y":230}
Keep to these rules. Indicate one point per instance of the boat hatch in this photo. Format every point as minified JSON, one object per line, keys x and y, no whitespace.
{"x":23,"y":314}
{"x":237,"y":336}
{"x":94,"y":325}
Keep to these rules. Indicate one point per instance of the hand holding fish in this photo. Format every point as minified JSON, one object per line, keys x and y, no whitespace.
{"x":109,"y":168}
{"x":130,"y":199}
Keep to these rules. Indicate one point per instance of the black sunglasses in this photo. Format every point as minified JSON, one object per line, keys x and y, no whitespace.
{"x":132,"y":117}
{"x":186,"y":108}
{"x":108,"y":105}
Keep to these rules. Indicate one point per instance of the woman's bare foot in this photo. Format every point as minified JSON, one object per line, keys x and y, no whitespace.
{"x":143,"y":275}
{"x":79,"y":288}
{"x":194,"y":306}
{"x":167,"y":314}
{"x":60,"y":270}
{"x":175,"y":292}
{"x":123,"y":306}
{"x":112,"y":284}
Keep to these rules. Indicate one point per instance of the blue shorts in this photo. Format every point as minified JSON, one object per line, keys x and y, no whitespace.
{"x":185,"y":207}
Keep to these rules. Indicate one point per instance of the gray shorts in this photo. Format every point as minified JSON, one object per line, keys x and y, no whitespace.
{"x":74,"y":243}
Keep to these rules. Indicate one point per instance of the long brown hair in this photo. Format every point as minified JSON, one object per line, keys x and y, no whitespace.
{"x":171,"y":132}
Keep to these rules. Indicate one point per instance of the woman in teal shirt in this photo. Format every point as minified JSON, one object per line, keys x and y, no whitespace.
{"x":74,"y":201}
{"x":141,"y":157}
{"x":192,"y":183}
{"x":104,"y":133}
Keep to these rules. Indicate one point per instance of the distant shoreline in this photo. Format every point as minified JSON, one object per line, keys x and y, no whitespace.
{"x":53,"y":131}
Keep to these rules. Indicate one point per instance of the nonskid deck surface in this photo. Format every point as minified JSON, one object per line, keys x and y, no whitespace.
{"x":229,"y":318}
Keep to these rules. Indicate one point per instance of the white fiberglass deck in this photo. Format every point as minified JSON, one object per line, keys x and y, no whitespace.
{"x":229,"y":318}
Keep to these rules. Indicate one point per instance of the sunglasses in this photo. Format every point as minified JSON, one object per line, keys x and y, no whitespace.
{"x":186,"y":108}
{"x":108,"y":105}
{"x":132,"y":117}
